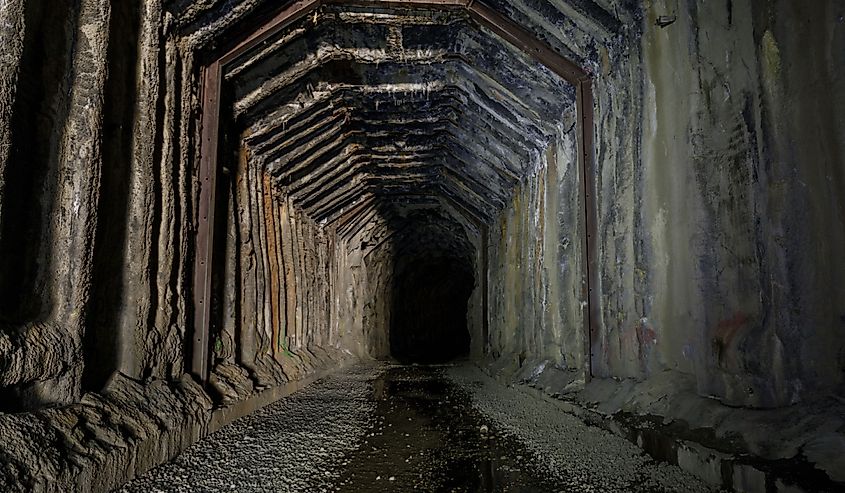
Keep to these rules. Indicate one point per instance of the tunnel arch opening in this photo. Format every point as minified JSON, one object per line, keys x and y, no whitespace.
{"x":432,"y":282}
{"x":430,"y":304}
{"x":332,"y":138}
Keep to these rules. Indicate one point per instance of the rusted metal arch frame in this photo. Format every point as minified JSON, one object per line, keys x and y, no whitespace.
{"x":212,"y":79}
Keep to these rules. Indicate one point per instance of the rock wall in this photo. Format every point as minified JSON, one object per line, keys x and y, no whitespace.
{"x":51,"y":170}
{"x":388,"y":262}
{"x":536,"y":269}
{"x":742,"y":149}
{"x":272,"y":288}
{"x":718,"y":156}
{"x":98,"y":214}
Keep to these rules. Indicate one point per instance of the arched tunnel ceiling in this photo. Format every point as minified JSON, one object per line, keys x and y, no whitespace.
{"x":399,"y":105}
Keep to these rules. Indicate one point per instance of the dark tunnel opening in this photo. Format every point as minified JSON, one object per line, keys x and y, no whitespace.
{"x":430,"y":301}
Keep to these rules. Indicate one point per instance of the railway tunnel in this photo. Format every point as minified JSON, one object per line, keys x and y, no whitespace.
{"x":402,"y":134}
{"x":541,"y":244}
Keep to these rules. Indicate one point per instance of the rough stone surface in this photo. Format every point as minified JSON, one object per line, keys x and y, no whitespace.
{"x":102,"y":440}
{"x":108,"y":438}
{"x":306,"y":441}
{"x":799,"y":447}
{"x":359,"y":143}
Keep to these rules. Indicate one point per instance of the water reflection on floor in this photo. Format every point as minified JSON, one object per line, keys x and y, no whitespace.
{"x":428,"y":438}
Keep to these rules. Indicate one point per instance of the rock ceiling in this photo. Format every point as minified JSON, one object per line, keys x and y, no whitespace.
{"x":386,"y":105}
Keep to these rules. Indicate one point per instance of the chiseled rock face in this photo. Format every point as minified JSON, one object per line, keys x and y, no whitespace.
{"x":358,"y":144}
{"x":741,"y":213}
{"x":104,"y":439}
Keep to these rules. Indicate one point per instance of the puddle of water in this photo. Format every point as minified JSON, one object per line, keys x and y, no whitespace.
{"x":427,"y":437}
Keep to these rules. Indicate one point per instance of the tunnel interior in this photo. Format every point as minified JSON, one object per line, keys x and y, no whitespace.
{"x":372,"y":149}
{"x":430,"y":312}
{"x":205,"y":202}
{"x":433,"y":280}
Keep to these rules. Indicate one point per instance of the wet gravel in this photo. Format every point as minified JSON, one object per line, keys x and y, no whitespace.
{"x":383,"y":428}
{"x":428,"y":437}
{"x":578,"y":457}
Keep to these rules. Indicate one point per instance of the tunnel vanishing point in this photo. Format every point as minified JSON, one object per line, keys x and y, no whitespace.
{"x":635,"y":206}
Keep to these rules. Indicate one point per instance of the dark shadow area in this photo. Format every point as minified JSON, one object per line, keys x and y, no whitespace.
{"x":429,"y":323}
{"x":225,"y":289}
{"x":102,"y":336}
{"x":11,"y":399}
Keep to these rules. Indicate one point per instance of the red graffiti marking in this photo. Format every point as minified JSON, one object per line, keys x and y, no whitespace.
{"x":726,"y":334}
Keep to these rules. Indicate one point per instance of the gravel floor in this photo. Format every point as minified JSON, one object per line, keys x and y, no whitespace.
{"x":577,"y":456}
{"x":428,"y":438}
{"x":316,"y":439}
{"x":297,"y":444}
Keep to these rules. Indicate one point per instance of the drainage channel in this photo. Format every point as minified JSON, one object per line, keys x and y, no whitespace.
{"x":427,"y":437}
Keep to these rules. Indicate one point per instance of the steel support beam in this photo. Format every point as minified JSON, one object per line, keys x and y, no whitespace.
{"x":591,"y":289}
{"x":209,"y":141}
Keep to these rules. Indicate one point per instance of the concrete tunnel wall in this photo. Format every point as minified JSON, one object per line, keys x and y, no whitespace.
{"x":719,"y":170}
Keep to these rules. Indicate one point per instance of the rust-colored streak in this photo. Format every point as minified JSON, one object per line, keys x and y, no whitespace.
{"x":272,"y":257}
{"x":727,"y":335}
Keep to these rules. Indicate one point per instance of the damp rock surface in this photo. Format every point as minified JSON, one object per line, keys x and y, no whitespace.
{"x":395,"y":428}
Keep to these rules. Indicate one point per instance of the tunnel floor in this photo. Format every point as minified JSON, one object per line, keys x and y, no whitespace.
{"x":429,"y":438}
{"x":391,"y":428}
